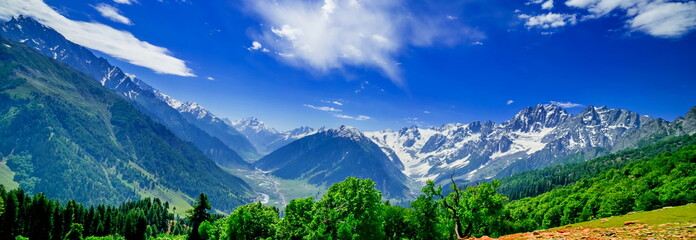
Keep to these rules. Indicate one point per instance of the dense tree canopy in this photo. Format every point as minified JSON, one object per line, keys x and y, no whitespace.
{"x":298,"y":217}
{"x":37,"y":217}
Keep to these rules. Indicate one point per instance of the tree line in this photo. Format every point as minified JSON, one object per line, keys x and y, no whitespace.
{"x":39,"y":218}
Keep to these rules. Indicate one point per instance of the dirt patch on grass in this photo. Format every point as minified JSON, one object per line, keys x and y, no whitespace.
{"x":631,"y":231}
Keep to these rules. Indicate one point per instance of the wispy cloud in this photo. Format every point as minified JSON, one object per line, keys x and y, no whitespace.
{"x":118,"y":44}
{"x":665,"y":19}
{"x":509,"y":102}
{"x":210,"y":78}
{"x":333,"y":34}
{"x":426,"y":112}
{"x":567,"y":104}
{"x":359,"y":117}
{"x":127,"y":2}
{"x":322,"y":108}
{"x":333,"y":102}
{"x":658,"y":18}
{"x":112,"y":13}
{"x":413,"y":121}
{"x":549,"y":20}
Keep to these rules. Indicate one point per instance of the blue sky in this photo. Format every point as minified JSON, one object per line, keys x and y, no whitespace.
{"x":392,"y":63}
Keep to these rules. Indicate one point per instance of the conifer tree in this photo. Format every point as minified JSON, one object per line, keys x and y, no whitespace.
{"x":75,"y":232}
{"x":198,"y":215}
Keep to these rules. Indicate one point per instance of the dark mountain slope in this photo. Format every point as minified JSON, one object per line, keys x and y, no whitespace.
{"x":330,"y":156}
{"x":65,"y":135}
{"x":50,"y":43}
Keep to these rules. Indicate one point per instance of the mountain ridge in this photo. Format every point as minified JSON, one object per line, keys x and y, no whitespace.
{"x":331,"y":155}
{"x":59,"y":126}
{"x":267,"y":139}
{"x":50,"y":43}
{"x":534,"y":138}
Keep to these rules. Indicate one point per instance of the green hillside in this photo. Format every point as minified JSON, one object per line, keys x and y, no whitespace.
{"x":679,"y":214}
{"x":535,"y":182}
{"x":668,"y":179}
{"x":67,"y":136}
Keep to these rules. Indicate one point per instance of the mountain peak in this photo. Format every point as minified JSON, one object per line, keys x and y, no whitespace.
{"x":691,"y":113}
{"x":301,"y":131}
{"x":253,"y":124}
{"x":538,"y":117}
{"x":251,"y":121}
{"x":344,"y":132}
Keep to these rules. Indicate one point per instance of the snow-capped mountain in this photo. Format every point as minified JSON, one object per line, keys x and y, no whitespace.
{"x":267,"y":139}
{"x":213,"y":125}
{"x":536,"y":137}
{"x":52,"y":44}
{"x":330,"y":155}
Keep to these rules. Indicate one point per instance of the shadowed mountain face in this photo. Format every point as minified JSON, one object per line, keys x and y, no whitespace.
{"x":66,"y":135}
{"x":224,"y":147}
{"x":331,"y":155}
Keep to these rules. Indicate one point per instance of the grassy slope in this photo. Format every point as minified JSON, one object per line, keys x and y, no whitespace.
{"x":665,"y":223}
{"x":7,"y":176}
{"x":680,"y":214}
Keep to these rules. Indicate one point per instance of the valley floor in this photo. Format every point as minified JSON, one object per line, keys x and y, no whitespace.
{"x":666,"y":223}
{"x":274,"y":191}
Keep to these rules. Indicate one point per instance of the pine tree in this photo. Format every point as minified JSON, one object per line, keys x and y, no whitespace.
{"x":75,"y":232}
{"x":10,"y":219}
{"x":198,"y":215}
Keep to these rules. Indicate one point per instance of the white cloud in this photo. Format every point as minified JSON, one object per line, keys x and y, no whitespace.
{"x":127,"y":2}
{"x":544,"y":4}
{"x":659,"y":18}
{"x":359,"y":117}
{"x":210,"y":78}
{"x":255,"y":46}
{"x":549,"y":20}
{"x":567,"y":104}
{"x":602,"y":7}
{"x":547,"y":5}
{"x":325,"y":109}
{"x":666,"y":19}
{"x":112,"y":14}
{"x":509,"y":102}
{"x":332,"y":34}
{"x":119,"y":44}
{"x":333,"y":102}
{"x":426,"y":112}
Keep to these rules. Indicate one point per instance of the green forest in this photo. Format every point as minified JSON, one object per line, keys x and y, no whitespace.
{"x":59,"y":126}
{"x":662,"y":174}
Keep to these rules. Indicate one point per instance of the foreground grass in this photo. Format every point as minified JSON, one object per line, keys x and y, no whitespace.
{"x":680,"y":214}
{"x":7,"y":176}
{"x":666,"y":223}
